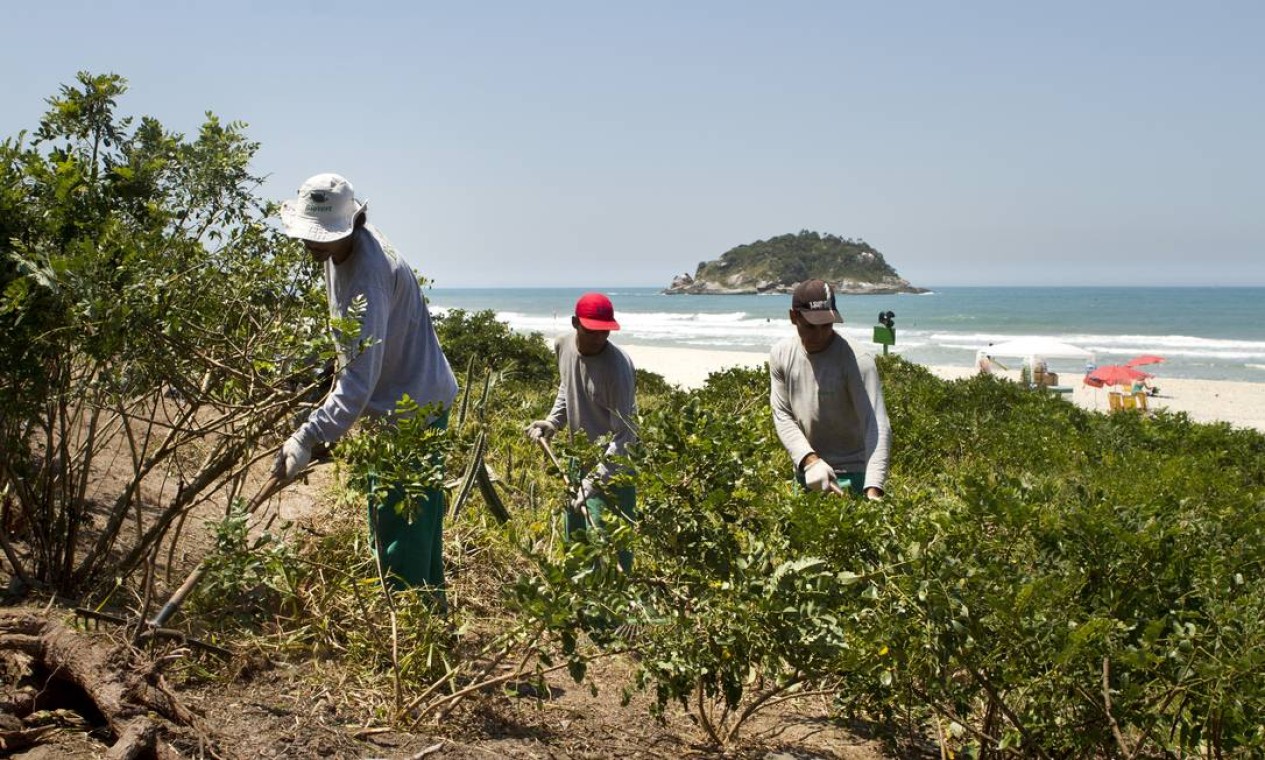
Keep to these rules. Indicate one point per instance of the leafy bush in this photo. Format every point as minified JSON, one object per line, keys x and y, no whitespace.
{"x":482,"y":342}
{"x":1039,"y":581}
{"x":147,"y":308}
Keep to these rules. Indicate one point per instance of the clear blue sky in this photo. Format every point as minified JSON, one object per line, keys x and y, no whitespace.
{"x":601,"y":144}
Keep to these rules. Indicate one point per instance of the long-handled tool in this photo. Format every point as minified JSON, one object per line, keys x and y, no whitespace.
{"x":273,"y":485}
{"x":572,"y":487}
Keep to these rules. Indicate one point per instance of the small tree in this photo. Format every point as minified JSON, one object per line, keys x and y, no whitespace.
{"x":147,"y":309}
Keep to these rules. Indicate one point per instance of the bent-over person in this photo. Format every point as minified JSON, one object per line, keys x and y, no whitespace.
{"x":397,"y":354}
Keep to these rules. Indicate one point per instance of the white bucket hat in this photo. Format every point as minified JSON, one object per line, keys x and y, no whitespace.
{"x":325,"y":210}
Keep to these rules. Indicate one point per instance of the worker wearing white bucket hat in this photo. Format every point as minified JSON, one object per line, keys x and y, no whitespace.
{"x":325,"y":210}
{"x":396,"y":354}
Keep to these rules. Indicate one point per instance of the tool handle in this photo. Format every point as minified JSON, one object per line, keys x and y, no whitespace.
{"x":273,"y":485}
{"x":191,"y":582}
{"x":177,"y":599}
{"x":566,"y":479}
{"x":544,"y":444}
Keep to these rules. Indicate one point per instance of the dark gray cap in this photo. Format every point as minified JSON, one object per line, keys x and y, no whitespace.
{"x":815,"y":300}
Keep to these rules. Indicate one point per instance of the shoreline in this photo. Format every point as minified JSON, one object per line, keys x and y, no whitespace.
{"x":1242,"y":404}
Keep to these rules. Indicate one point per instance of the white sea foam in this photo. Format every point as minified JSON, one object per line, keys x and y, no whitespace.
{"x":759,"y":323}
{"x":740,"y":330}
{"x":1168,"y":346}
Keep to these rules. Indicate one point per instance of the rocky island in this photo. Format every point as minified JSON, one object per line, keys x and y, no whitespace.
{"x":778,"y":264}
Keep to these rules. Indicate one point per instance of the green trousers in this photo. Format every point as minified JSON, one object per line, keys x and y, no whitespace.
{"x":622,"y":501}
{"x":411,"y":553}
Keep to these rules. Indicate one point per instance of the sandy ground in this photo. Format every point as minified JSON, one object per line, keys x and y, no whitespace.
{"x":1241,"y":404}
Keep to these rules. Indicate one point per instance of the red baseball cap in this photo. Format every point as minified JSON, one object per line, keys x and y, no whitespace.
{"x":596,"y":312}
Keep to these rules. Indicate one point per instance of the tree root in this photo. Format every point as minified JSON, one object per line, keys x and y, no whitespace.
{"x":127,"y":690}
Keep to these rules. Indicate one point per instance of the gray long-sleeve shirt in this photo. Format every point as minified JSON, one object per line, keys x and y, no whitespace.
{"x":397,"y":351}
{"x":830,"y":403}
{"x":596,"y":394}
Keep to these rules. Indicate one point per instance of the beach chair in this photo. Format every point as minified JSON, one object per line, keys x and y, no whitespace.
{"x":1115,"y":401}
{"x":1139,"y":401}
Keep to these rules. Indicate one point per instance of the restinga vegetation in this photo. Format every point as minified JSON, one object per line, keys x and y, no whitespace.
{"x":1040,"y":580}
{"x":155,"y":329}
{"x":776,"y":265}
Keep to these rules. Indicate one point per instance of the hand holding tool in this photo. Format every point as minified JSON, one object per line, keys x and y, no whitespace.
{"x":541,"y":430}
{"x":292,"y":458}
{"x":819,"y":476}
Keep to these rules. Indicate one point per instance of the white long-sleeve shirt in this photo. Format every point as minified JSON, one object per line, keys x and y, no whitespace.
{"x":596,"y":394}
{"x":397,"y":352}
{"x":830,"y":403}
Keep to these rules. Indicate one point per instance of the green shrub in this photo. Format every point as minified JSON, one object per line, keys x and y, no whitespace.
{"x":489,"y":343}
{"x":150,"y":311}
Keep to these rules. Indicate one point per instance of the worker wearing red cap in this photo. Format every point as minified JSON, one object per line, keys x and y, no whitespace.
{"x":596,"y":396}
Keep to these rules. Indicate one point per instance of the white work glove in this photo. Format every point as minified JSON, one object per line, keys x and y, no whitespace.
{"x":292,"y":458}
{"x":582,"y":496}
{"x":540,"y":430}
{"x":819,"y":476}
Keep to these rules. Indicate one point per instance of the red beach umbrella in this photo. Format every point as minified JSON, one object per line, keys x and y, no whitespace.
{"x":1138,"y":361}
{"x":1114,"y":374}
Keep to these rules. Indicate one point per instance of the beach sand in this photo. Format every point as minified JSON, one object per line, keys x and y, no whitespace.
{"x":1240,"y":404}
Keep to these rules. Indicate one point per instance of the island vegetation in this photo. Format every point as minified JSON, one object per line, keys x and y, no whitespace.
{"x":778,"y":264}
{"x":1040,"y":580}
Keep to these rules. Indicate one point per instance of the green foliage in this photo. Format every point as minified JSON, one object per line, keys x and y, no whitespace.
{"x":244,"y":577}
{"x":482,"y":341}
{"x":405,"y":451}
{"x":1028,"y":553}
{"x":1039,"y":580}
{"x":1071,"y":583}
{"x":148,"y":308}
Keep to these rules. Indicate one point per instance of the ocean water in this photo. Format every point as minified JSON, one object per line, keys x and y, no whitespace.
{"x":1203,"y":333}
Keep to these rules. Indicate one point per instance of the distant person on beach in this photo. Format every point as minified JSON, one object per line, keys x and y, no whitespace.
{"x":984,"y":362}
{"x":827,"y":400}
{"x":396,"y":353}
{"x":597,"y":397}
{"x":1140,"y":385}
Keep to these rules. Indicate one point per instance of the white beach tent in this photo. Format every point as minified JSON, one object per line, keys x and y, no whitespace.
{"x":1045,"y":348}
{"x":1034,"y":350}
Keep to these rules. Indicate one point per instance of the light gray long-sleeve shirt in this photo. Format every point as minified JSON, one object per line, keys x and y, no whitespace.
{"x":596,"y":394}
{"x":830,"y":403}
{"x":397,"y":352}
